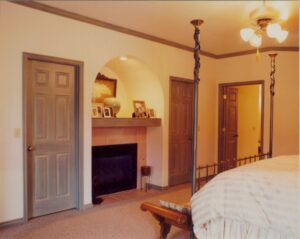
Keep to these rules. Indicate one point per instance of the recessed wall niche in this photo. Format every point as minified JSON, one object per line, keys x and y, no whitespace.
{"x":134,"y":81}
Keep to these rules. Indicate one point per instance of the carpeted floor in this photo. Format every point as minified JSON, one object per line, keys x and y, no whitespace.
{"x":117,"y":220}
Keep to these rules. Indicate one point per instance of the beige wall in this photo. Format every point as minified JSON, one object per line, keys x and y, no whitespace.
{"x":249,"y":120}
{"x":286,"y":113}
{"x":28,"y":30}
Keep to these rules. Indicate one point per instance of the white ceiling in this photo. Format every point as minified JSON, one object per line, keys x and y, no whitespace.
{"x":170,"y":20}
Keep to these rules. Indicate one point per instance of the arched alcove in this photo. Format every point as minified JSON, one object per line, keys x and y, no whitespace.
{"x":134,"y":81}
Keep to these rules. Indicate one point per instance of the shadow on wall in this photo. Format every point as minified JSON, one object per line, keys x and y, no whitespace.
{"x":135,"y":81}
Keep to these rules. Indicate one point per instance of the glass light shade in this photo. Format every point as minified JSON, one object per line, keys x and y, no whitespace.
{"x":273,"y":30}
{"x":281,"y":36}
{"x":246,"y":33}
{"x":255,"y":40}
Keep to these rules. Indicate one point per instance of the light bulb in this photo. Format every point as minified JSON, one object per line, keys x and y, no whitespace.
{"x":123,"y":58}
{"x":255,"y":40}
{"x":281,"y":36}
{"x":246,"y":33}
{"x":273,"y":30}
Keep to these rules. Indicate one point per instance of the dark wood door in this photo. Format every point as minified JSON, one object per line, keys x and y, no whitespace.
{"x":180,"y":135}
{"x":230,"y":118}
{"x":51,"y":138}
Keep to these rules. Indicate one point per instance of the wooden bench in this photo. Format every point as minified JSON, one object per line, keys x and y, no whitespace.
{"x":167,"y":218}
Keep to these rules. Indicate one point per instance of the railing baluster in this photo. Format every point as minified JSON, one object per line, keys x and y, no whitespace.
{"x":224,"y":165}
{"x":214,"y":169}
{"x":198,"y":180}
{"x":206,"y":173}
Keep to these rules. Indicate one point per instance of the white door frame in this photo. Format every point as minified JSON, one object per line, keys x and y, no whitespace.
{"x":78,"y":66}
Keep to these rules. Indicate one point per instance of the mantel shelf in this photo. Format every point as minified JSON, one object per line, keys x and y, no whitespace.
{"x":126,"y":122}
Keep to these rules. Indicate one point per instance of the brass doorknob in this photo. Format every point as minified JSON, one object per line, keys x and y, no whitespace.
{"x":30,"y":148}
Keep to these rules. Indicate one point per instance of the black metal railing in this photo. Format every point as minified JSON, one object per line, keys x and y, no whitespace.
{"x":206,"y":173}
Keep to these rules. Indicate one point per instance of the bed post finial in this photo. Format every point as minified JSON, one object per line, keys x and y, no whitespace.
{"x":272,"y":93}
{"x":196,"y":23}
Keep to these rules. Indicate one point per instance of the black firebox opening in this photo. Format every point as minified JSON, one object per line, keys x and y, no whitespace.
{"x":114,"y":169}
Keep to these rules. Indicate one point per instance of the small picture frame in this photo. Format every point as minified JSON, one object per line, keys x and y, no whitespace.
{"x":95,"y":113}
{"x":97,"y":110}
{"x":107,"y":112}
{"x":151,"y":113}
{"x":140,"y":110}
{"x":100,"y":109}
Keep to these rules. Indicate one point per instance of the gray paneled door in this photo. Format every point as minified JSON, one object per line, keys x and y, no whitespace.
{"x":50,"y":136}
{"x":180,"y":131}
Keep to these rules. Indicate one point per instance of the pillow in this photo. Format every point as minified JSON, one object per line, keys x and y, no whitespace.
{"x":183,"y":208}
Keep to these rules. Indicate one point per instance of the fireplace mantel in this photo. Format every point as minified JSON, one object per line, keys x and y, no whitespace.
{"x":126,"y":122}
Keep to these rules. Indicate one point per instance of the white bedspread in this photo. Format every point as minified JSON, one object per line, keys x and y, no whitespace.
{"x":259,"y":200}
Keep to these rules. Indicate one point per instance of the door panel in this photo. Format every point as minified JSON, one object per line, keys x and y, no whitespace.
{"x":51,"y":135}
{"x":180,"y":140}
{"x":63,"y":174}
{"x":41,"y":176}
{"x":41,"y":115}
{"x":62,"y":120}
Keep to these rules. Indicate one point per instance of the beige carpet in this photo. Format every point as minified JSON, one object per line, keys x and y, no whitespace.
{"x":118,"y":220}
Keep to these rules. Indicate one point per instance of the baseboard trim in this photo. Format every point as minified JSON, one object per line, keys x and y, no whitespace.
{"x":153,"y":186}
{"x":14,"y":222}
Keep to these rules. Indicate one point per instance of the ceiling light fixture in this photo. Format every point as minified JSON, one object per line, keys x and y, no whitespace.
{"x":263,"y":20}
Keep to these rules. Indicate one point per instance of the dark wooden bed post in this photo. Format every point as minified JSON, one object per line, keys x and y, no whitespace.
{"x":196,"y":23}
{"x":272,"y":93}
{"x":170,"y":217}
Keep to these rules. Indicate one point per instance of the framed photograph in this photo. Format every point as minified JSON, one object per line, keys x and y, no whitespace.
{"x":151,"y":113}
{"x":99,"y":107}
{"x":107,"y":112}
{"x":104,"y":87}
{"x":139,"y":109}
{"x":97,"y":110}
{"x":95,"y":113}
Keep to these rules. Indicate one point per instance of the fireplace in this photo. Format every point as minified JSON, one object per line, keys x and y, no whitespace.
{"x":114,"y":169}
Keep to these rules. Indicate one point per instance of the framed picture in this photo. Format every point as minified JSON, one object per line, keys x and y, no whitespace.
{"x":95,"y":113}
{"x":151,"y":113}
{"x":104,"y":87}
{"x":99,"y":107}
{"x":107,"y":112}
{"x":139,"y":109}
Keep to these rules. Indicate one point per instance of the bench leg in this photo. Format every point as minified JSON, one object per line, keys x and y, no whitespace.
{"x":164,"y":229}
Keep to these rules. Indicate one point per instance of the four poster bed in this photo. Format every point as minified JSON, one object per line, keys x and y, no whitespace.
{"x":257,"y":200}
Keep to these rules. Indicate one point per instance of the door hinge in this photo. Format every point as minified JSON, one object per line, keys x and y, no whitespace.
{"x":224,"y":97}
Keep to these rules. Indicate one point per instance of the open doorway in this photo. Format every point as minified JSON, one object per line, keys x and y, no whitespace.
{"x":241,"y":117}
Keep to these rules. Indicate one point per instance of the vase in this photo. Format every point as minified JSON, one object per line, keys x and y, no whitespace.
{"x":114,"y":104}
